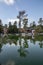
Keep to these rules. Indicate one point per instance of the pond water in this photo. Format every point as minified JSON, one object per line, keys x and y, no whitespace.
{"x":23,"y":52}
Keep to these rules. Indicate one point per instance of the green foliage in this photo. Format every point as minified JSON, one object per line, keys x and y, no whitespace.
{"x":39,"y":37}
{"x":40,"y":21}
{"x":1,"y":28}
{"x":12,"y":36}
{"x":39,"y":29}
{"x":12,"y":29}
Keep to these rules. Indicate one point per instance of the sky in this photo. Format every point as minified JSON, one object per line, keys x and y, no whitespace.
{"x":9,"y":10}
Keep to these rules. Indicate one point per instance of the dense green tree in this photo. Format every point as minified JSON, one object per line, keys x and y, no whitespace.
{"x":15,"y":29}
{"x":12,"y":28}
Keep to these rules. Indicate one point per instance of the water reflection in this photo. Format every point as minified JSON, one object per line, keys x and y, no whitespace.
{"x":41,"y":44}
{"x":22,"y":50}
{"x":0,"y":48}
{"x":23,"y":45}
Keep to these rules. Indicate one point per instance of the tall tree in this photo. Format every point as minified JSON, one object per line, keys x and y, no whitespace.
{"x":15,"y":29}
{"x":34,"y":24}
{"x":10,"y":28}
{"x":21,"y":17}
{"x":40,"y":21}
{"x":25,"y":21}
{"x":15,"y":23}
{"x":1,"y":27}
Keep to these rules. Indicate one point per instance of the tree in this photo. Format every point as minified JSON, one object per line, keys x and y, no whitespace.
{"x":1,"y":27}
{"x":40,"y":21}
{"x":38,"y":29}
{"x":30,"y":24}
{"x":5,"y":26}
{"x":12,"y":28}
{"x":15,"y":23}
{"x":34,"y":24}
{"x":15,"y":30}
{"x":25,"y":21}
{"x":21,"y":17}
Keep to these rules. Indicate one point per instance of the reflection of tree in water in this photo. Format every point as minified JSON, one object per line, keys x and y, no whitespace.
{"x":36,"y":38}
{"x":22,"y":48}
{"x":22,"y":52}
{"x":10,"y":39}
{"x":33,"y":41}
{"x":25,"y":43}
{"x":41,"y":44}
{"x":0,"y":48}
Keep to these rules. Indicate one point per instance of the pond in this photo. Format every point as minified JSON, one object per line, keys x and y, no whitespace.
{"x":26,"y":51}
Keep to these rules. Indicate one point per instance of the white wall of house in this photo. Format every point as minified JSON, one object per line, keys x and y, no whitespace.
{"x":33,"y":32}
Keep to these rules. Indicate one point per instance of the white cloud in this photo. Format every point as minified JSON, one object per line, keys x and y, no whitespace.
{"x":13,"y":20}
{"x":8,"y":2}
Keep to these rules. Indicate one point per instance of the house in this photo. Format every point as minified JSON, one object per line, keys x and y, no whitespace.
{"x":30,"y":31}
